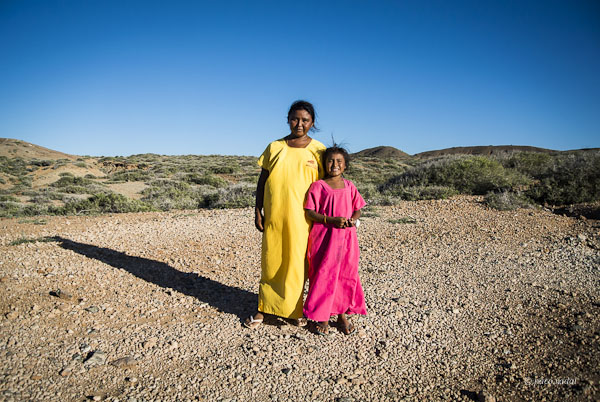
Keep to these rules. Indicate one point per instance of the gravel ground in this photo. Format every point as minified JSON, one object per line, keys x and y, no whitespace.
{"x":465,"y":303}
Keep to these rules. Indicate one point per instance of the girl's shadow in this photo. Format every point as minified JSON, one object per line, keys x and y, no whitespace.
{"x":228,"y":299}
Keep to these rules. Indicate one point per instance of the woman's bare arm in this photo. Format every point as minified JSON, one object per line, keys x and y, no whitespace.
{"x":259,"y":217}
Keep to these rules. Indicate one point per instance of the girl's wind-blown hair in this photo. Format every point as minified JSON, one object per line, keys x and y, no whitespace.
{"x":336,"y":149}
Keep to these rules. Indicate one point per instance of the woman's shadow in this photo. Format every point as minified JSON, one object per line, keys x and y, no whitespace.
{"x":228,"y":299}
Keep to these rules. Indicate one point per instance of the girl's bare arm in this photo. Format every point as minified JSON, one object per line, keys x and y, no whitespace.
{"x":338,"y":221}
{"x":259,"y":217}
{"x":354,"y":217}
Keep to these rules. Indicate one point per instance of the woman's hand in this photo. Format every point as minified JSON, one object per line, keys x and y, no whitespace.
{"x":259,"y":218}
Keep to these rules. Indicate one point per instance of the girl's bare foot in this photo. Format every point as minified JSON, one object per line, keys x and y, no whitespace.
{"x":345,"y":325}
{"x":322,"y":328}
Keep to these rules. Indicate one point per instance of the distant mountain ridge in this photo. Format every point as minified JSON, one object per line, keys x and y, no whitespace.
{"x":14,"y":148}
{"x":383,"y":152}
{"x":485,"y":150}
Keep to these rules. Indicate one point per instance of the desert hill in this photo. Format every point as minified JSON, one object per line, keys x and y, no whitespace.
{"x":12,"y":148}
{"x":485,"y":150}
{"x":383,"y":152}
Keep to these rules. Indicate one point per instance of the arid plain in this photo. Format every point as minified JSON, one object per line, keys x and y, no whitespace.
{"x":464,"y":303}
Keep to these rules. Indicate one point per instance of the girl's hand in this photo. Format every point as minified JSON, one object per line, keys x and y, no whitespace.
{"x":339,"y":222}
{"x":259,"y":218}
{"x":350,"y":222}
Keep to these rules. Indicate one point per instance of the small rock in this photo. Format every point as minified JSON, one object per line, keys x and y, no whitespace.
{"x":484,"y":396}
{"x":92,"y":309}
{"x":286,"y":370}
{"x":96,"y":358}
{"x":301,"y":337}
{"x":150,"y":343}
{"x":11,"y":315}
{"x":575,"y":327}
{"x":124,"y":362}
{"x":61,"y":294}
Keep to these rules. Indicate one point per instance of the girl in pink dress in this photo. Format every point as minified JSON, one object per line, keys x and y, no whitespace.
{"x":333,"y":204}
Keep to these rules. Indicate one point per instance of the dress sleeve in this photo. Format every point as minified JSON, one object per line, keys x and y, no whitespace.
{"x":264,"y":161}
{"x":312,"y":197}
{"x":357,"y":201}
{"x":317,"y":149}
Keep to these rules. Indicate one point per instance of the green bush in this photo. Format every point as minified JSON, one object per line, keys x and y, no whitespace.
{"x":44,"y":163}
{"x":165,"y":195}
{"x":531,"y":164}
{"x":68,"y":180}
{"x":22,"y":182}
{"x":8,"y":197}
{"x":415,"y":193}
{"x":102,"y":203}
{"x":207,"y":180}
{"x":507,"y":201}
{"x":131,"y":175}
{"x":13,"y":166}
{"x":236,"y":196}
{"x":227,"y":169}
{"x":570,"y":179}
{"x":9,"y":209}
{"x":466,"y":175}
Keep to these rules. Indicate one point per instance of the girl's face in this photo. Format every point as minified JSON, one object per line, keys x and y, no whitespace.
{"x":300,"y":122}
{"x":335,"y":164}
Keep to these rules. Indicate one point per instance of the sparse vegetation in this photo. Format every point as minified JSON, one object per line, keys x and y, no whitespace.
{"x":507,"y":201}
{"x":509,"y":181}
{"x":24,"y":240}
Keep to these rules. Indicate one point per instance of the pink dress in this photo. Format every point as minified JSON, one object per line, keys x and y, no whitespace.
{"x":334,"y":285}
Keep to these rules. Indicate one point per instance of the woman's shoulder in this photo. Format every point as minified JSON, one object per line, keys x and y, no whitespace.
{"x":280,"y":143}
{"x":276,"y":145}
{"x":316,"y":145}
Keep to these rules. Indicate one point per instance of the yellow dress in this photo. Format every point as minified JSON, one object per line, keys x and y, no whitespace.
{"x":285,"y":238}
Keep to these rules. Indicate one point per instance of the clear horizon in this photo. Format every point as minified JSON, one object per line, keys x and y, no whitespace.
{"x":121,"y":78}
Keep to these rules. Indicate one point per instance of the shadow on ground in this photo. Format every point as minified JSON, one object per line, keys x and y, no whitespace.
{"x":228,"y":299}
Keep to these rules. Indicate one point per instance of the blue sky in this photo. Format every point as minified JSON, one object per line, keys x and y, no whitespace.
{"x":217,"y":77}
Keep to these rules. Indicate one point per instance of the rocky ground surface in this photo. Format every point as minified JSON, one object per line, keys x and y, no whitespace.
{"x":465,"y":303}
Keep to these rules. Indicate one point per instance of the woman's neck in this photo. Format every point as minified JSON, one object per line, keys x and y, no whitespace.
{"x":297,"y":142}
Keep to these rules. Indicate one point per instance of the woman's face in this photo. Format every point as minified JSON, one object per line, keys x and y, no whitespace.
{"x":300,"y":122}
{"x":335,"y":164}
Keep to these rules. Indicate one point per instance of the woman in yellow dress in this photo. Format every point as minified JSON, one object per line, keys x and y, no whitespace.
{"x":289,"y":166}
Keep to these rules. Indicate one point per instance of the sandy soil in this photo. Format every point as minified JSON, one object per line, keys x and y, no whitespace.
{"x":466,"y":303}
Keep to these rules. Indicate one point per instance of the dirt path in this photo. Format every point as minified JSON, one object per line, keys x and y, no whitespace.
{"x":465,"y":303}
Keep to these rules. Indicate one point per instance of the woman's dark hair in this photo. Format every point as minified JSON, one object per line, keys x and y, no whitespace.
{"x":307,"y":106}
{"x":336,"y":150}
